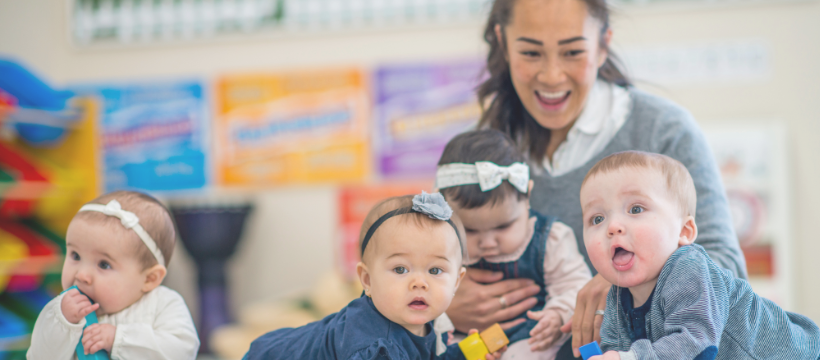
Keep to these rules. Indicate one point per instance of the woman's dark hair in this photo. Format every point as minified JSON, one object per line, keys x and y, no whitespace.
{"x":505,"y":111}
{"x":481,"y":145}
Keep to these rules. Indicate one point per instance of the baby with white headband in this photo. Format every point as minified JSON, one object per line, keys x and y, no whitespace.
{"x":117,"y":250}
{"x":485,"y":179}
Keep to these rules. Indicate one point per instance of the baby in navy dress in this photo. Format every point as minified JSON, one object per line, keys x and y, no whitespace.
{"x":410,"y":269}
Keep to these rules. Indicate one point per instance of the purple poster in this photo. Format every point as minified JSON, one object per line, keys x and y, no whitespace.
{"x":418,"y":109}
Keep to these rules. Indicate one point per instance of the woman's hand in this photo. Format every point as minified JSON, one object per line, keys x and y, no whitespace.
{"x":548,"y":330}
{"x":585,"y":324}
{"x":478,"y":306}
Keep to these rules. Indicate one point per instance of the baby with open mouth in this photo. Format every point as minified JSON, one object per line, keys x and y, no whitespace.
{"x":410,"y":269}
{"x":669,"y":299}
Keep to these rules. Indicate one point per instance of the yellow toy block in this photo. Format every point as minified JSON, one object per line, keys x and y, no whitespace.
{"x":478,"y":345}
{"x":473,"y":347}
{"x":494,"y":338}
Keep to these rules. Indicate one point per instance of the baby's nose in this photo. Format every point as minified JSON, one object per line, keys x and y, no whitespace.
{"x":616,"y":228}
{"x":487,"y":240}
{"x":418,"y":283}
{"x":83,"y":276}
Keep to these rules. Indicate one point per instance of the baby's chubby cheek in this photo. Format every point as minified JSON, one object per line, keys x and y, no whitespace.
{"x":598,"y":253}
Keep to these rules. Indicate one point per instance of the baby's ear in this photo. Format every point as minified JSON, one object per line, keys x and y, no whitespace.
{"x":688,"y":232}
{"x":461,"y":272}
{"x":364,"y":277}
{"x":153,"y":277}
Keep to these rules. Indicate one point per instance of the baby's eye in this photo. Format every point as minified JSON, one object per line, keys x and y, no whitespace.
{"x":636,"y":209}
{"x":104,"y":265}
{"x":503,"y":227}
{"x":75,"y":256}
{"x":436,"y":271}
{"x":597,"y":220}
{"x":400,"y":270}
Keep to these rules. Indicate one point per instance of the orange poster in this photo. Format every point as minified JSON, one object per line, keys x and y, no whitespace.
{"x":295,"y":127}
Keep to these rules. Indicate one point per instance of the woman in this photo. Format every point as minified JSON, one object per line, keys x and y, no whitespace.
{"x":554,"y":88}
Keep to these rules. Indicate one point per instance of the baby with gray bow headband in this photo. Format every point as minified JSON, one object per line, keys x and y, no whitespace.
{"x":486,"y":180}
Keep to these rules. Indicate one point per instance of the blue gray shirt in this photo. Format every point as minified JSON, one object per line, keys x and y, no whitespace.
{"x":699,"y":310}
{"x":654,"y":125}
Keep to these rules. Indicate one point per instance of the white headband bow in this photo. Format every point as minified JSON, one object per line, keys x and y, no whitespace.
{"x":484,"y":173}
{"x":130,"y":221}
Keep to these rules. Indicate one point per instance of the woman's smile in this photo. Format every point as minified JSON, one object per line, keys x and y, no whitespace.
{"x":553,"y":101}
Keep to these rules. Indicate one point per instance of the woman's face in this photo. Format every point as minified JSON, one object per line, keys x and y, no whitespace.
{"x":554,"y":54}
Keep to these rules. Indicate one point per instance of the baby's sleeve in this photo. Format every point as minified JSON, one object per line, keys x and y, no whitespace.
{"x":172,"y":336}
{"x":695,"y":303}
{"x":565,"y":271}
{"x":54,"y":338}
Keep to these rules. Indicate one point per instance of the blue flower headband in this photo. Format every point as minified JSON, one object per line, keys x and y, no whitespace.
{"x":432,"y":205}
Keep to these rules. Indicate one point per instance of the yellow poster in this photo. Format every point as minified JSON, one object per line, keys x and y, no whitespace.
{"x":295,"y":127}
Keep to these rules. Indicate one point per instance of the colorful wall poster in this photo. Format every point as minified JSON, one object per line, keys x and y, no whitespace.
{"x":752,"y":158}
{"x":418,"y":109}
{"x":354,"y":204}
{"x":154,"y":135}
{"x":294,"y":127}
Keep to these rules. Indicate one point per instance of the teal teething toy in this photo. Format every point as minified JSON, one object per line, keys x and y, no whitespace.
{"x":90,"y":319}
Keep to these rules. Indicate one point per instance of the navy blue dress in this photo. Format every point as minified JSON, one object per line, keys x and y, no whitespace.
{"x":357,"y":332}
{"x":530,"y":266}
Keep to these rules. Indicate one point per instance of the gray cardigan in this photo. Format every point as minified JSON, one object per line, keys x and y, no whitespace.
{"x":659,"y":126}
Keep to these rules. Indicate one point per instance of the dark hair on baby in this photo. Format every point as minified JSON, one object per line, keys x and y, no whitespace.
{"x":481,"y":145}
{"x":419,"y":219}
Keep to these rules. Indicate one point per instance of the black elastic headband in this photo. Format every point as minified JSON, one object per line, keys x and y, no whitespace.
{"x":401,"y":211}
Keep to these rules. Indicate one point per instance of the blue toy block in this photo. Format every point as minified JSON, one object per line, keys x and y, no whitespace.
{"x":590,"y":350}
{"x":90,"y":319}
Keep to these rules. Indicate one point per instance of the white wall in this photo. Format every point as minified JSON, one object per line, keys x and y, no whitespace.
{"x":290,"y":235}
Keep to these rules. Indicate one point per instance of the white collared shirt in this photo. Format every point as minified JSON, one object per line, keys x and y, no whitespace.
{"x":604,"y":113}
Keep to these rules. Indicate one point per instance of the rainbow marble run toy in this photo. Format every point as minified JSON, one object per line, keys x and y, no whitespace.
{"x":48,"y":168}
{"x":31,"y":108}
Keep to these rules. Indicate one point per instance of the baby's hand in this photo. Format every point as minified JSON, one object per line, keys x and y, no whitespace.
{"x":547,"y":331}
{"x":450,"y":338}
{"x":609,"y":355}
{"x":98,"y":337}
{"x":494,"y":356}
{"x":76,"y":306}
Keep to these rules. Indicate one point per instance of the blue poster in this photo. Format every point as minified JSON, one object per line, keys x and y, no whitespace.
{"x":154,"y":136}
